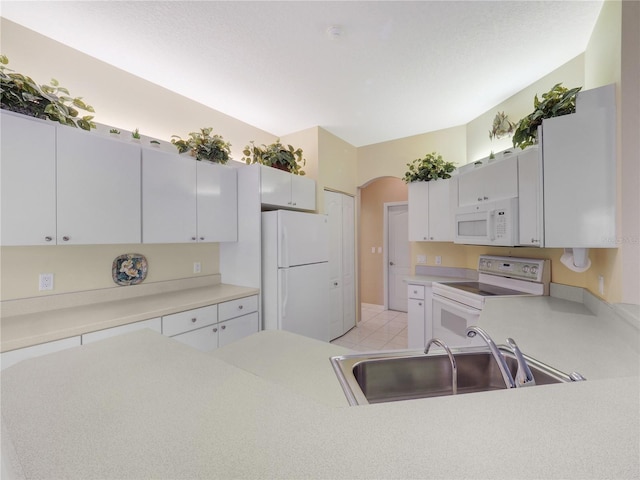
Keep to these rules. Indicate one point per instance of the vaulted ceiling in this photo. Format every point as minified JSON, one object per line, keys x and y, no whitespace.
{"x":367,"y":71}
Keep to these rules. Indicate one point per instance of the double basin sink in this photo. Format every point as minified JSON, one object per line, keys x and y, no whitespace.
{"x":404,"y":375}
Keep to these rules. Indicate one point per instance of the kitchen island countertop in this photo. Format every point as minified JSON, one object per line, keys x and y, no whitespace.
{"x":144,"y":406}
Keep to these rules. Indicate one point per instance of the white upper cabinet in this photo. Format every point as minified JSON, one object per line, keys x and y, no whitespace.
{"x":185,"y":200}
{"x":66,"y":186}
{"x":98,"y":189}
{"x":283,"y":189}
{"x":530,"y":213}
{"x":28,"y":155}
{"x":168,"y":198}
{"x":430,"y":213}
{"x":495,"y":181}
{"x":217,"y":202}
{"x":579,"y":154}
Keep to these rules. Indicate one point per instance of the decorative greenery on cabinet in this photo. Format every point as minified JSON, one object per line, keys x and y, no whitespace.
{"x":204,"y":146}
{"x":277,"y":156}
{"x":556,"y":102}
{"x":430,"y":167}
{"x":19,"y":93}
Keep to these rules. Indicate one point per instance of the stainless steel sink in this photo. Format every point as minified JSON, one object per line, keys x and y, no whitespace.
{"x":391,"y":376}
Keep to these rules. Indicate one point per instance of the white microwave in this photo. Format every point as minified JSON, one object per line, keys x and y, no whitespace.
{"x":488,"y":223}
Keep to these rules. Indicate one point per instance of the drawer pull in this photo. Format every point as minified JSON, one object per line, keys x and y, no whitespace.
{"x":193,"y":320}
{"x":239,"y":307}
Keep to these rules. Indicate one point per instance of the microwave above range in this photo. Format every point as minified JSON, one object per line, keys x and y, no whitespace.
{"x":488,"y":223}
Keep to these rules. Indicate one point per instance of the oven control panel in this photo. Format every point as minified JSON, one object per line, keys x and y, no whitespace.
{"x":531,"y":269}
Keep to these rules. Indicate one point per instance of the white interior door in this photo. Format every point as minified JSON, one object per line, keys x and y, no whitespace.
{"x":333,"y":209}
{"x":348,"y":263}
{"x":398,"y":256}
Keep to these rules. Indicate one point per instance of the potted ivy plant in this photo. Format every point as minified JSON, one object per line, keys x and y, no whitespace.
{"x":430,"y":167}
{"x":556,"y":102}
{"x":204,"y":146}
{"x":277,"y":156}
{"x":20,"y":94}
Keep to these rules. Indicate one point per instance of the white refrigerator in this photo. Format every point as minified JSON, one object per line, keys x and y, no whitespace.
{"x":295,"y":273}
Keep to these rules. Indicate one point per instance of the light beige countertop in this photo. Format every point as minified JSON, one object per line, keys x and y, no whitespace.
{"x":566,"y":335}
{"x":68,"y":317}
{"x":143,"y":406}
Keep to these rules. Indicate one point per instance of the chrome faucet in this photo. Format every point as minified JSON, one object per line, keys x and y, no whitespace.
{"x":524,"y":377}
{"x":454,"y":366}
{"x":499,"y":358}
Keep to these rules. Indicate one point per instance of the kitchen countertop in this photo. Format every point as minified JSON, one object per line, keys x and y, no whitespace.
{"x":143,"y":406}
{"x":23,"y":330}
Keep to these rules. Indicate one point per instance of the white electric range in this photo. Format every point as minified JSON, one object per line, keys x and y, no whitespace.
{"x":457,"y":305}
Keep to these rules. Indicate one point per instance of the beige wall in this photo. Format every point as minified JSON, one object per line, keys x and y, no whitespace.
{"x":373,"y":196}
{"x":629,"y":156}
{"x":391,"y":158}
{"x":88,"y":267}
{"x":571,"y":74}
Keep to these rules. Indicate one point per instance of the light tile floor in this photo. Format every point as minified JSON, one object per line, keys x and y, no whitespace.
{"x":379,"y":329}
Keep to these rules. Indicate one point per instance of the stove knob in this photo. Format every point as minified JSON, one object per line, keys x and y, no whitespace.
{"x":534,"y":270}
{"x":488,"y":264}
{"x":525,"y":269}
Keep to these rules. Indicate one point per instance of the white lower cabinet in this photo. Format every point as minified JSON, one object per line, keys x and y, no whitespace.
{"x":419,"y":327}
{"x":14,"y":356}
{"x":154,"y":324}
{"x":237,"y":328}
{"x":214,"y":326}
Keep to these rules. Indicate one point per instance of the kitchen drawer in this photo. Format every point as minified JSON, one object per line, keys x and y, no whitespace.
{"x":154,"y":324}
{"x":204,"y":339}
{"x":415,"y":291}
{"x":236,"y":308}
{"x":190,"y":320}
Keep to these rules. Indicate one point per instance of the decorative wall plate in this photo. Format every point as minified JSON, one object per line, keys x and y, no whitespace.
{"x":129,"y":269}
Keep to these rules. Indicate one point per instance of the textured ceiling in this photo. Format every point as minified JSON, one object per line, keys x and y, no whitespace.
{"x":397,"y":69}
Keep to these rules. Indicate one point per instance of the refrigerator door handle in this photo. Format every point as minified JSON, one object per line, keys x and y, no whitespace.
{"x":283,"y":289}
{"x":283,"y":254}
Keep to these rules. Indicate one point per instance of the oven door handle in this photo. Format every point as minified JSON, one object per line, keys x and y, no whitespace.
{"x":459,"y":306}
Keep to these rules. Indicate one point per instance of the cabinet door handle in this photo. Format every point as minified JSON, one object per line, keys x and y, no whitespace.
{"x":215,"y":329}
{"x":479,"y":199}
{"x":486,"y":198}
{"x":193,"y":238}
{"x":66,"y":238}
{"x":391,"y":263}
{"x":223,"y":327}
{"x":201,"y":238}
{"x":193,"y":320}
{"x":294,"y":203}
{"x":239,"y":307}
{"x":419,"y":304}
{"x":335,"y":284}
{"x":48,"y":239}
{"x":430,"y":238}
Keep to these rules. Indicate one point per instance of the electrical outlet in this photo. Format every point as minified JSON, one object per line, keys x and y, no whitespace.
{"x":421,"y":259}
{"x":438,"y":260}
{"x":197,"y":267}
{"x":45,"y":281}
